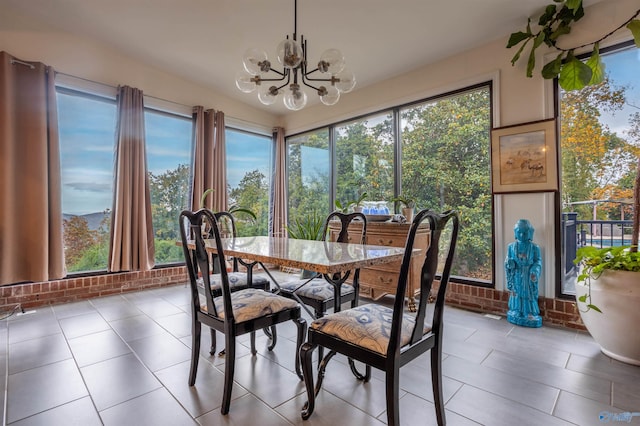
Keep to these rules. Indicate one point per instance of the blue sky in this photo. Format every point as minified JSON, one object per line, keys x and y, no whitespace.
{"x":623,"y":69}
{"x":87,"y":135}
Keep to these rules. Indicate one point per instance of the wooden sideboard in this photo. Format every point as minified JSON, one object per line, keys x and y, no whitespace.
{"x":379,"y":280}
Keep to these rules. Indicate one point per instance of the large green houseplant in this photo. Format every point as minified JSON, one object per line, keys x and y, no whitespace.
{"x":608,"y":281}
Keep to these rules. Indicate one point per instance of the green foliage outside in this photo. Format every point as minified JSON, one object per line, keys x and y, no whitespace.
{"x":445,"y":165}
{"x":435,"y":136}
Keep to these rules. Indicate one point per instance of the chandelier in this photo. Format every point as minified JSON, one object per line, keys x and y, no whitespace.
{"x":328,"y":79}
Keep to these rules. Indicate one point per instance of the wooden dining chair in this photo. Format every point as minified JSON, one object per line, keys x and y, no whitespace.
{"x":237,"y":280}
{"x":320,"y":293}
{"x":386,"y":338}
{"x":231,"y":313}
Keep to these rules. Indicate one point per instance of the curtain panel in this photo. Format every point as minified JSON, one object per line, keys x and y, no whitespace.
{"x":31,"y":237}
{"x":209,"y":164}
{"x":278,"y":194}
{"x":132,"y":246}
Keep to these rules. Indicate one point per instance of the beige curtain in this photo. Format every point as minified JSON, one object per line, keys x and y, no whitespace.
{"x":210,"y":170}
{"x":131,"y":225}
{"x":203,"y":124}
{"x":31,"y":246}
{"x":220,"y":165}
{"x":278,"y":217}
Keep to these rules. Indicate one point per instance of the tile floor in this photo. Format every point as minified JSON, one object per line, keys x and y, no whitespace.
{"x":124,"y":360}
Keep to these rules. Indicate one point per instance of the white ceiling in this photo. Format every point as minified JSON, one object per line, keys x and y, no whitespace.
{"x":204,"y":40}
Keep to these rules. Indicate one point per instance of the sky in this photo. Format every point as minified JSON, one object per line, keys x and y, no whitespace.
{"x":623,"y":69}
{"x":87,"y":135}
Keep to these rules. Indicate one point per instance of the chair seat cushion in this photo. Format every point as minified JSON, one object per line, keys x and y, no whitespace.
{"x":367,"y":326}
{"x":317,"y":289}
{"x":237,"y":280}
{"x":253,"y":303}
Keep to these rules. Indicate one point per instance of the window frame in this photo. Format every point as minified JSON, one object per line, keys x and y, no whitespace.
{"x":395,"y":111}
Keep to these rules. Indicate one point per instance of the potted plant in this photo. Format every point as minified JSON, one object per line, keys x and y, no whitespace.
{"x":408,"y":206}
{"x":307,"y":227}
{"x":357,"y":204}
{"x":608,"y":286}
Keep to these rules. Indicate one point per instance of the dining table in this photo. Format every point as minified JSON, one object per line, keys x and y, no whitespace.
{"x":325,"y":258}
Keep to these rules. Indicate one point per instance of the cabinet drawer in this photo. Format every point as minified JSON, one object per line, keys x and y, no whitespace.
{"x":378,"y":279}
{"x":389,"y":240}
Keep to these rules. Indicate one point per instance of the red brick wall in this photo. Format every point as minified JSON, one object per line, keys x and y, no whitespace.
{"x":31,"y":295}
{"x":556,"y":312}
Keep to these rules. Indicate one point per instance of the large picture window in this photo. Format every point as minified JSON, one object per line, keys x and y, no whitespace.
{"x":599,"y":145}
{"x":249,"y":159}
{"x":309,"y":171}
{"x":443,"y":147}
{"x":364,"y":159}
{"x":168,"y":146}
{"x":445,"y":165}
{"x":87,"y":134}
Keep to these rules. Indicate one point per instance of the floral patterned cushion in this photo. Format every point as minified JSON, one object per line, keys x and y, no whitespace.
{"x":368,"y":326}
{"x":237,"y":280}
{"x":253,"y":303}
{"x":317,"y":288}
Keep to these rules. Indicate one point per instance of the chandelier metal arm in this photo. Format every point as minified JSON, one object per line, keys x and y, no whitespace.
{"x":292,"y":55}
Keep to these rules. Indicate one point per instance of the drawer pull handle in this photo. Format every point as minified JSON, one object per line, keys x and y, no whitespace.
{"x":382,"y":280}
{"x":381,"y":241}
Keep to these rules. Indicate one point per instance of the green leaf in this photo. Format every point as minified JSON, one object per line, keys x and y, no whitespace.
{"x":547,"y":16}
{"x":594,"y":307}
{"x":552,"y":69}
{"x":574,"y":75}
{"x":634,"y":27}
{"x":596,"y":66}
{"x":516,"y":38}
{"x":518,"y":53}
{"x":574,"y":4}
{"x":562,"y":29}
{"x":531,"y":63}
{"x":582,"y":298}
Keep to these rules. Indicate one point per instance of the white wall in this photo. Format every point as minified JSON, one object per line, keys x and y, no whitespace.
{"x":517,"y":99}
{"x":80,"y":57}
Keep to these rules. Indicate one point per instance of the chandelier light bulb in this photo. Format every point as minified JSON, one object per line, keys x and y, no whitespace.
{"x":329,"y":96}
{"x":346,"y":81}
{"x":331,"y":61}
{"x":255,"y":61}
{"x":244,"y":82}
{"x":290,"y":54}
{"x":295,"y":99}
{"x":268,"y":96}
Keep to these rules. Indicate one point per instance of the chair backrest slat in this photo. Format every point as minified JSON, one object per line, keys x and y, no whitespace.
{"x":437,"y":224}
{"x":199,"y":260}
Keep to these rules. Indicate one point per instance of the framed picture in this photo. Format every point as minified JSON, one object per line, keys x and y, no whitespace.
{"x":524,"y":157}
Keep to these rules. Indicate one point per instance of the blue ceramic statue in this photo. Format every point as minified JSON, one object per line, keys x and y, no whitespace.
{"x":522,"y":268}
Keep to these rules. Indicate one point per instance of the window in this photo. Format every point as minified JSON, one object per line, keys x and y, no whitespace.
{"x":249,"y":159}
{"x":444,"y":147}
{"x":445,"y":165}
{"x":364,"y":159}
{"x":309,"y":170}
{"x":169,"y":146}
{"x":87,"y":133}
{"x":599,"y":141}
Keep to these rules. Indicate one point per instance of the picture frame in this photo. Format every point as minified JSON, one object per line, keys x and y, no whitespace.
{"x":524,"y":157}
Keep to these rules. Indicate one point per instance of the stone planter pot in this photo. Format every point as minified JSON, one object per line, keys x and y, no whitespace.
{"x":617,"y":294}
{"x":408,"y":213}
